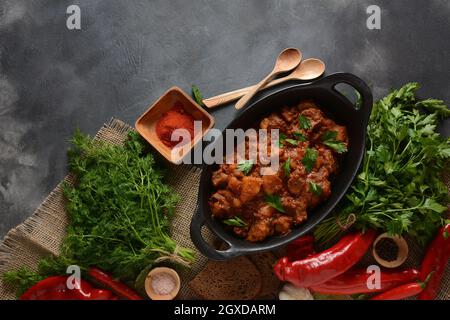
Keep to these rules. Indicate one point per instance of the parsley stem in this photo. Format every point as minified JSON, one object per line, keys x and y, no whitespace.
{"x":405,"y":148}
{"x":376,"y":206}
{"x":399,"y":210}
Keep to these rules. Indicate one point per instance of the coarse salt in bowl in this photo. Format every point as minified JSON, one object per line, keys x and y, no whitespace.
{"x":162,"y":284}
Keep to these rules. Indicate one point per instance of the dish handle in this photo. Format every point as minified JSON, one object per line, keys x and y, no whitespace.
{"x":197,"y":222}
{"x":365,"y":108}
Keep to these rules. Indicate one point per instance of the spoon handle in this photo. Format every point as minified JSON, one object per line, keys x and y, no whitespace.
{"x":231,"y":96}
{"x":245,"y":99}
{"x":224,"y":98}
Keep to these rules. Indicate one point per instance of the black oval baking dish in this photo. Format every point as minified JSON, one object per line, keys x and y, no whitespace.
{"x":335,"y":106}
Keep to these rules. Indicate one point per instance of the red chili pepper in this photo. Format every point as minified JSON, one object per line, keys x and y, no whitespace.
{"x":42,"y":287}
{"x":355,"y":281}
{"x":118,"y":287}
{"x":402,"y":292}
{"x":100,"y":294}
{"x":435,"y":262}
{"x":300,"y":248}
{"x":68,"y":294}
{"x":52,"y":295}
{"x":328,"y":264}
{"x":55,"y":288}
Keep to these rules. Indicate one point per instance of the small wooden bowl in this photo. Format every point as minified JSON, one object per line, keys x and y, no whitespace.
{"x":146,"y":124}
{"x":162,"y":270}
{"x":402,"y":251}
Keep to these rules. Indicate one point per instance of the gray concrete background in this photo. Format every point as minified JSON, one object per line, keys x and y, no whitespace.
{"x":53,"y":80}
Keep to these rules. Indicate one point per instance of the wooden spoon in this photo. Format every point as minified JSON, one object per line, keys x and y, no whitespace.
{"x":288,"y":60}
{"x":308,"y":69}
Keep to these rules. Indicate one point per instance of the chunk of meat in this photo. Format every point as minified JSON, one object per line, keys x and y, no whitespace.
{"x":282,"y":224}
{"x":272,"y":184}
{"x":341,"y":133}
{"x":314,"y":115}
{"x":326,"y":159}
{"x":260,"y":230}
{"x":306,"y":104}
{"x":250,"y":188}
{"x":233,"y":169}
{"x":295,"y":207}
{"x":290,"y":114}
{"x":236,"y":203}
{"x":296,"y":182}
{"x":291,"y":204}
{"x":293,"y":153}
{"x":300,"y":216}
{"x":330,"y":125}
{"x":240,"y":232}
{"x":264,"y":212}
{"x":273,"y":122}
{"x":234,"y":185}
{"x":220,"y":205}
{"x":321,"y":179}
{"x":219,"y":178}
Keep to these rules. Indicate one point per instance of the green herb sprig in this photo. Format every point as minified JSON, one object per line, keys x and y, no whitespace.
{"x":315,"y":188}
{"x":197,"y":95}
{"x":304,"y":122}
{"x":275,"y":202}
{"x":246,"y":166}
{"x":300,"y":136}
{"x":309,"y":159}
{"x":282,"y":139}
{"x":235,"y":222}
{"x":329,"y":139}
{"x":287,"y":167}
{"x":292,"y":142}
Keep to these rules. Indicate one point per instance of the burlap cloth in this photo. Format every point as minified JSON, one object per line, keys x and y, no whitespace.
{"x":42,"y":233}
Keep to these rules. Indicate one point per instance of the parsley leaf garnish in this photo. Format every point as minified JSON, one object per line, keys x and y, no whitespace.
{"x":287,"y":167}
{"x":309,"y":159}
{"x":292,"y":142}
{"x":304,"y":122}
{"x":329,"y":139}
{"x":337,"y":146}
{"x":197,"y":95}
{"x":246,"y":166}
{"x":282,"y":139}
{"x":275,"y":202}
{"x":300,"y":136}
{"x":315,"y":188}
{"x":235,"y":222}
{"x":329,"y":135}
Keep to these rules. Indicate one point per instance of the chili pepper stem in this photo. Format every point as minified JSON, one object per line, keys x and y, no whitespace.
{"x":423,"y":284}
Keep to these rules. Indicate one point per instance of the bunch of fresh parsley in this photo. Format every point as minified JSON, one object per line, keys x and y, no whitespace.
{"x":399,"y":187}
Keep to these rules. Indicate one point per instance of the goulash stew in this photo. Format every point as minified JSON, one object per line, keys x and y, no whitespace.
{"x":256,"y":206}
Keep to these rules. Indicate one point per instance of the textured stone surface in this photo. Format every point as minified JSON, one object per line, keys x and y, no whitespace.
{"x":53,"y":80}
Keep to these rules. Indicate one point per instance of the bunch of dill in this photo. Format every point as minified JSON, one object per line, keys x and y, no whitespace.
{"x":119,"y":210}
